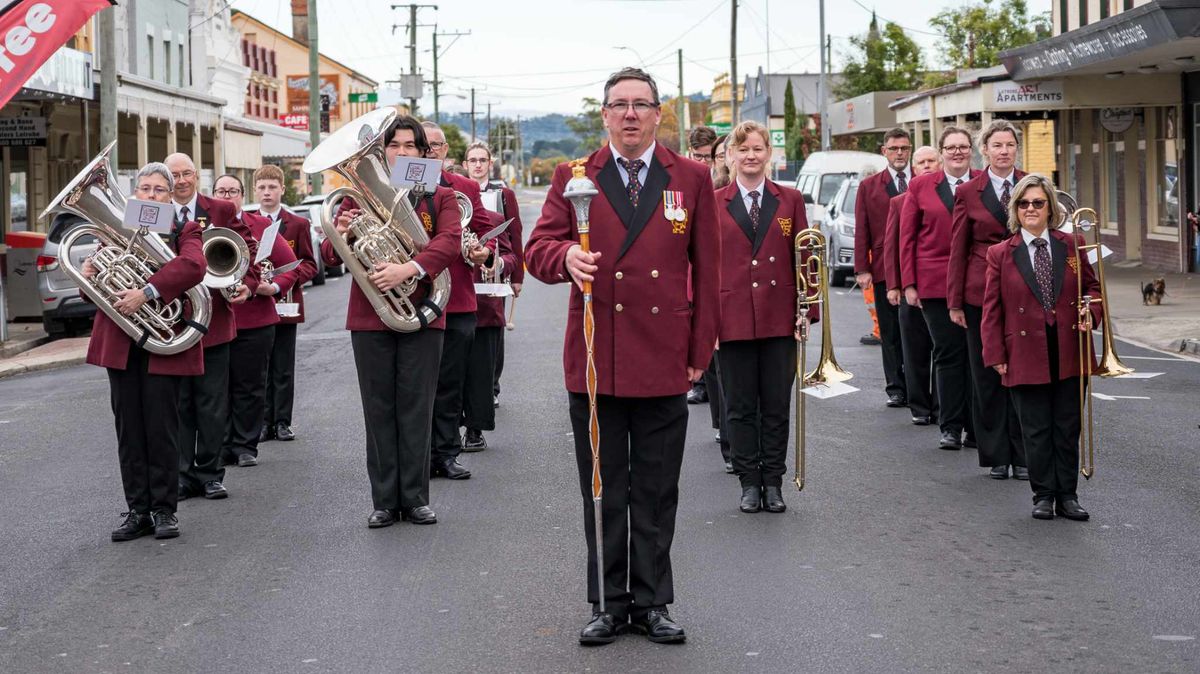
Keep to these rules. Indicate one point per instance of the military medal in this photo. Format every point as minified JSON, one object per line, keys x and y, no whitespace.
{"x":674,"y":211}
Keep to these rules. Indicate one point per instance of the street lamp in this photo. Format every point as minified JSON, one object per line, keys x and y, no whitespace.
{"x":641,"y":61}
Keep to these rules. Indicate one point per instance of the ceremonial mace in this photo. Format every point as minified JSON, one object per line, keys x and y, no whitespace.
{"x":579,"y":192}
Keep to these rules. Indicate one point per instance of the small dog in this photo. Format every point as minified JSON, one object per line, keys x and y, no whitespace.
{"x":1152,"y":292}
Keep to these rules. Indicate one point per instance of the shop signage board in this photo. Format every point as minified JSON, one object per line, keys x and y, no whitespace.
{"x":1025,"y":95}
{"x":294,"y":121}
{"x":23,"y":131}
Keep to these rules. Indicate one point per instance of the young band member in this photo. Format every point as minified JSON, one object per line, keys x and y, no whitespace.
{"x":924,"y":252}
{"x":870,"y":228}
{"x":479,"y":411}
{"x":398,"y":371}
{"x":204,"y":399}
{"x":720,"y":170}
{"x":759,"y":223}
{"x":700,"y":147}
{"x":145,"y":387}
{"x":256,"y":320}
{"x":1031,"y":331}
{"x":281,"y":374}
{"x":916,"y":345}
{"x":653,"y":226}
{"x":460,"y":324}
{"x":980,"y":220}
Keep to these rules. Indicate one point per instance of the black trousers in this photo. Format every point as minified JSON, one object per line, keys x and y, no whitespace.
{"x":950,"y":366}
{"x":452,"y":377}
{"x":1050,"y":425}
{"x":641,"y":452}
{"x":499,"y":365}
{"x":757,"y":376}
{"x":281,"y":375}
{"x":478,"y":412}
{"x":397,"y":378}
{"x":917,"y":347}
{"x":717,"y":404}
{"x":997,"y":429}
{"x":203,"y":420}
{"x":889,"y":334}
{"x":249,"y":358}
{"x":146,"y":411}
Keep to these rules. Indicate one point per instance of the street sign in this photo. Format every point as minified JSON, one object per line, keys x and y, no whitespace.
{"x":778,"y":138}
{"x":295,"y":121}
{"x":364,"y":97}
{"x":23,"y":131}
{"x":722,"y":128}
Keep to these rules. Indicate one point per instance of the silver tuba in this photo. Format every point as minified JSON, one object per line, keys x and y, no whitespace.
{"x":125,"y":261}
{"x":227,"y":258}
{"x":388,"y":230}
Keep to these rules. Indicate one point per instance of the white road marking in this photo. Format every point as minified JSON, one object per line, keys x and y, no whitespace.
{"x":1172,"y":637}
{"x":1150,"y":358}
{"x":1101,"y":396}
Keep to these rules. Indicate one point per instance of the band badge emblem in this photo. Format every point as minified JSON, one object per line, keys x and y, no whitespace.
{"x":427,"y":221}
{"x":674,"y":211}
{"x":1073,"y":264}
{"x":785,"y":224}
{"x":203,"y":222}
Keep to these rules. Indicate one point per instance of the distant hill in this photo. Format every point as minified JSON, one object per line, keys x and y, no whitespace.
{"x":544,"y":135}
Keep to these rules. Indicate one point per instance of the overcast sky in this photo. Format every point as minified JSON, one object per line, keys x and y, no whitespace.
{"x":544,"y":56}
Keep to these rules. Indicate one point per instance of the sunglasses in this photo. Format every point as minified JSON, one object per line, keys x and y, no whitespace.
{"x":1023,"y":204}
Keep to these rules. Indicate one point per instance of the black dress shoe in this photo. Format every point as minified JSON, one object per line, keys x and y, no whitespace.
{"x":166,"y":525}
{"x":135,"y":525}
{"x":186,"y":491}
{"x":381,"y":518}
{"x":419,"y":515}
{"x":247,"y":459}
{"x":1020,"y":473}
{"x":717,"y":437}
{"x":950,"y":440}
{"x":697,"y":396}
{"x":969,"y":442}
{"x":659,"y":627}
{"x":496,"y":401}
{"x":998,"y":473}
{"x":922,"y":420}
{"x":1043,"y":509}
{"x":284,"y":432}
{"x":267,"y":432}
{"x":773,"y":500}
{"x":729,"y":467}
{"x":897,"y":400}
{"x":215,"y":490}
{"x":600,"y":630}
{"x":869,"y":339}
{"x":751,"y":499}
{"x":1071,"y":510}
{"x":451,"y":469}
{"x":473,"y":441}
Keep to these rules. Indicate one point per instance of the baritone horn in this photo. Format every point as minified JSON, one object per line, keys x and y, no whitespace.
{"x":227,"y":259}
{"x":812,"y":290}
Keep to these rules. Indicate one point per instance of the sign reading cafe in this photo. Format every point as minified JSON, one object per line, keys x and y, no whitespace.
{"x":1027,"y":94}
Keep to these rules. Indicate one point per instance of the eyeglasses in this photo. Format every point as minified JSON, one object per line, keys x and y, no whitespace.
{"x":1038,"y":204}
{"x":231,"y":192}
{"x":183,"y":174}
{"x":157,"y":190}
{"x":640,"y":107}
{"x":436,"y":145}
{"x":957,"y":149}
{"x":478,"y":160}
{"x":701,"y":157}
{"x":898,"y":149}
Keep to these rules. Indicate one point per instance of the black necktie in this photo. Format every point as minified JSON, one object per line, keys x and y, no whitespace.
{"x":1045,"y":277}
{"x":755,"y":211}
{"x":183,"y":217}
{"x":634,"y":185}
{"x":1005,"y":195}
{"x":903,"y":183}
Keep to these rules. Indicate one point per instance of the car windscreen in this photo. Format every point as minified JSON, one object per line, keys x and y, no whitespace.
{"x":65,"y":224}
{"x":830,"y":183}
{"x":846,"y":208}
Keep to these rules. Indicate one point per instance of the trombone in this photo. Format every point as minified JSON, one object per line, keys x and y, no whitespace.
{"x":812,"y":290}
{"x":1084,"y":220}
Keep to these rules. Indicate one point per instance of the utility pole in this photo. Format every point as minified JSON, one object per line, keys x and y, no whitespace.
{"x":108,"y":81}
{"x":437,"y":117}
{"x":683,"y":120}
{"x":733,"y":94}
{"x":520,"y":162}
{"x":823,"y":82}
{"x":488,"y":132}
{"x":412,"y":45}
{"x":314,"y":92}
{"x":472,"y":113}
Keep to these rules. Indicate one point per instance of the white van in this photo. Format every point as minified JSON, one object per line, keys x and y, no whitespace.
{"x":823,"y":174}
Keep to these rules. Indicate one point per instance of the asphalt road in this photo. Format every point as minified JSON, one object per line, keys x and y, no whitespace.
{"x":896,"y":557}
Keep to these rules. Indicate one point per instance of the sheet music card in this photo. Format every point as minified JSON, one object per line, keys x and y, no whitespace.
{"x":408,"y":172}
{"x":155,"y":216}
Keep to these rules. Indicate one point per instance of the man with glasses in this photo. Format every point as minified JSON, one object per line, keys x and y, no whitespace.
{"x":653,"y":231}
{"x":870,"y":228}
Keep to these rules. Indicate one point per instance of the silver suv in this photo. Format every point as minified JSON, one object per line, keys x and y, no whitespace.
{"x":64,"y":311}
{"x":838,"y":228}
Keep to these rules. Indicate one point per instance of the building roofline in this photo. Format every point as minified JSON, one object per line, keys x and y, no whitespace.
{"x":300,"y":44}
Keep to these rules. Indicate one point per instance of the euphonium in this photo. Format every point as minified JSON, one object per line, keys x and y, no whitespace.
{"x":227,"y":258}
{"x":387,"y":231}
{"x":125,"y":261}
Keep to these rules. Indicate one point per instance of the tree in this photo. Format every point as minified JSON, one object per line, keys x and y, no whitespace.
{"x":790,"y":122}
{"x":541,"y":170}
{"x":887,"y":61}
{"x":668,"y":125}
{"x":975,"y":34}
{"x":504,"y":138}
{"x":456,"y":141}
{"x":589,"y":126}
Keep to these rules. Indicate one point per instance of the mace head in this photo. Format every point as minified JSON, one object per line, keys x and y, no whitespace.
{"x":580,"y":190}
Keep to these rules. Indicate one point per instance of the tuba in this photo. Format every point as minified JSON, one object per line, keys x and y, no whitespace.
{"x":227,"y":258}
{"x":388,"y":229}
{"x":125,"y":261}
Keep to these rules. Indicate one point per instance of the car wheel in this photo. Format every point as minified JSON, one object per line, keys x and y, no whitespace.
{"x":54,"y":327}
{"x":839,"y":278}
{"x":339,"y":270}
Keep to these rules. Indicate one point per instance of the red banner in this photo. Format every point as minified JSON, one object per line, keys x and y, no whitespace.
{"x":31,"y":31}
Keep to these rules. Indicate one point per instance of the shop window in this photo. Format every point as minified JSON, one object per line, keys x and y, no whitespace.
{"x":150,"y":56}
{"x":1083,"y":13}
{"x":1064,"y":16}
{"x":1104,"y":8}
{"x":1097,"y":134}
{"x":182,"y":80}
{"x":1163,"y":178}
{"x":1114,"y":182}
{"x":249,"y":107}
{"x":167,"y":61}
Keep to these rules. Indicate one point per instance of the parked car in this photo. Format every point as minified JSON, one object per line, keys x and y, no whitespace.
{"x":838,"y":228}
{"x":64,"y":311}
{"x":823,"y":174}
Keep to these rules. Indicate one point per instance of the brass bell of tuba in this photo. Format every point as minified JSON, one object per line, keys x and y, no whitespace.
{"x":227,"y":258}
{"x":387,"y":231}
{"x":125,"y":261}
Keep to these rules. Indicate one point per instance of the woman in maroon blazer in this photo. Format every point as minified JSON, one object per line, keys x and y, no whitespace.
{"x":759,"y":223}
{"x":398,"y":371}
{"x":144,"y":386}
{"x":981,"y":219}
{"x":1031,"y":339}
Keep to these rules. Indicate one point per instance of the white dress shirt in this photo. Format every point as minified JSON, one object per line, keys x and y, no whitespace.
{"x":271,"y":216}
{"x":760,"y":188}
{"x":955,"y":182}
{"x":645,"y":170}
{"x":1028,"y":238}
{"x":998,"y":183}
{"x":191,"y":206}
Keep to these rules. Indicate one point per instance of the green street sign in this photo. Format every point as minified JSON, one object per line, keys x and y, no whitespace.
{"x":365,"y":97}
{"x":778,"y":138}
{"x":722,"y":128}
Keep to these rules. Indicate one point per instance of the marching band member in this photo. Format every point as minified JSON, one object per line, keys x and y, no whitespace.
{"x":460,"y":323}
{"x":924,"y":251}
{"x":1030,"y":333}
{"x":398,"y":371}
{"x":870,"y":228}
{"x":479,"y":411}
{"x":980,"y":220}
{"x":281,"y":373}
{"x":144,"y":386}
{"x":720,"y":170}
{"x":653,"y":226}
{"x":759,"y":222}
{"x":204,"y":399}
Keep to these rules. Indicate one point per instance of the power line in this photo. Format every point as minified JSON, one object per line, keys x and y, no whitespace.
{"x":685,"y":33}
{"x":887,"y":20}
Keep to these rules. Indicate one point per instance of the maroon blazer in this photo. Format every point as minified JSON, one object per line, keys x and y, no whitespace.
{"x":1014,"y":323}
{"x":296,"y":232}
{"x":444,"y":246}
{"x":758,"y":268}
{"x":646,"y":334}
{"x":870,"y":223}
{"x":462,"y":290}
{"x":490,"y":310}
{"x":220,"y":213}
{"x":212,"y":212}
{"x":259,"y":310}
{"x":109,"y":345}
{"x":979,"y":221}
{"x":515,"y":235}
{"x":891,"y":243}
{"x":925,"y":223}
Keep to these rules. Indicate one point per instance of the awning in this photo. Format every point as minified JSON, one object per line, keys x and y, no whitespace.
{"x":278,"y":142}
{"x":243,"y":148}
{"x":1162,"y":36}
